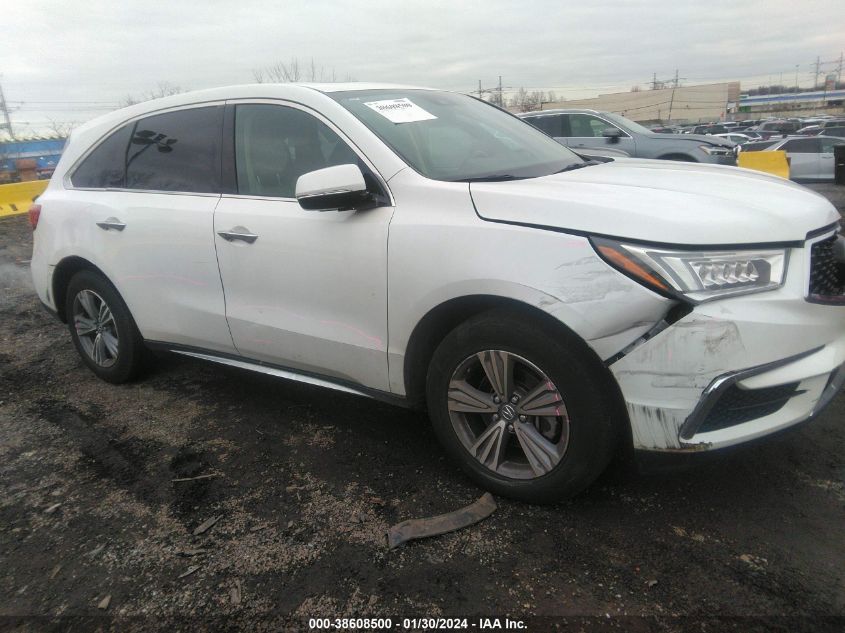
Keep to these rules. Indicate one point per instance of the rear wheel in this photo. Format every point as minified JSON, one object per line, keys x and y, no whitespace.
{"x":520,"y":410}
{"x":102,"y":328}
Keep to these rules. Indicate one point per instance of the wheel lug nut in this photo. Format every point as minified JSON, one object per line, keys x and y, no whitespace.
{"x":510,"y":427}
{"x":515,"y":399}
{"x":496,"y":399}
{"x":522,"y":418}
{"x":495,"y":417}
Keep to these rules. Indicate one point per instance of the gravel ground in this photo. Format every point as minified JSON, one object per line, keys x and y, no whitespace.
{"x":306,"y":482}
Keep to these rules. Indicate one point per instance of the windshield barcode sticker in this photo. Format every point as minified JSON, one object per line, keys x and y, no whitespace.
{"x":400,"y":110}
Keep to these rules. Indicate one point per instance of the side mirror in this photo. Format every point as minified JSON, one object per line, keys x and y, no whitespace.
{"x":334,"y":188}
{"x":612,"y":134}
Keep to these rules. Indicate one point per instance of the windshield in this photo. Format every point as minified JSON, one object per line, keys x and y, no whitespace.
{"x":447,"y":136}
{"x":627,"y":123}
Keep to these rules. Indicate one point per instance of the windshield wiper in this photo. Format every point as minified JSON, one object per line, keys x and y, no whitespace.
{"x":586,"y":163}
{"x":493,"y":178}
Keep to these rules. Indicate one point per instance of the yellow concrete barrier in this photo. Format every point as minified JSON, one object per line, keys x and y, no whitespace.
{"x":17,"y":197}
{"x":773,"y":162}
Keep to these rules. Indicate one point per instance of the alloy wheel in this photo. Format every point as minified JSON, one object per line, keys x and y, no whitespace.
{"x":95,"y":328}
{"x":508,"y":414}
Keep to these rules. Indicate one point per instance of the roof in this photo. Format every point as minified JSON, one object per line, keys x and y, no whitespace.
{"x":310,"y":95}
{"x":301,"y":92}
{"x":559,"y":111}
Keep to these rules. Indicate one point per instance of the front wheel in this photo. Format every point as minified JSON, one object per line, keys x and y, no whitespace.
{"x":520,"y":410}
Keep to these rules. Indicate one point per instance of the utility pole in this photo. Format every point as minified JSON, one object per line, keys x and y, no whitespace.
{"x":501,"y":100}
{"x":818,"y":67}
{"x":4,"y":108}
{"x":672,"y":98}
{"x":796,"y":77}
{"x":654,"y":81}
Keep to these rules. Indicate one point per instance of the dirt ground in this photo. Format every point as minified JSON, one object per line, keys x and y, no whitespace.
{"x":306,"y":482}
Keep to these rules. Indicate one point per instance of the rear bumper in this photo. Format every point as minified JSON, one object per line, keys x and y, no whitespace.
{"x":735,"y":370}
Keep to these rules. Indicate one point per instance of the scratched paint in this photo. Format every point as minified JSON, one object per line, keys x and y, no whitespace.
{"x":671,"y":371}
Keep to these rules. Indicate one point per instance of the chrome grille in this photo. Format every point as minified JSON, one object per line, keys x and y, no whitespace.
{"x":827,"y":272}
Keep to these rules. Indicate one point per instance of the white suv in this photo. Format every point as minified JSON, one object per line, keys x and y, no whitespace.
{"x":425,"y":247}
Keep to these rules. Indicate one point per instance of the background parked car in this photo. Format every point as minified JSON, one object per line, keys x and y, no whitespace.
{"x":760,"y":145}
{"x":710,"y":128}
{"x":735,"y":137}
{"x":767,"y":129}
{"x":810,"y":158}
{"x":579,"y":129}
{"x":838,"y":131}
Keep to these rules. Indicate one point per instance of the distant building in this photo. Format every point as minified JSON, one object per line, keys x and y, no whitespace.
{"x":29,"y":159}
{"x":815,"y":100}
{"x":685,"y":104}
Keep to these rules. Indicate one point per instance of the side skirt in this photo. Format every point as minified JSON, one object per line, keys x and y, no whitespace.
{"x":279,"y":371}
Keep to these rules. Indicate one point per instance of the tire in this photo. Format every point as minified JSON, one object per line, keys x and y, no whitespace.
{"x":107,"y":341}
{"x":486,"y":340}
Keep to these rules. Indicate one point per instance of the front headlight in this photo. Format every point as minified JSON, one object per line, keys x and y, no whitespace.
{"x":716,"y":150}
{"x":699,"y":275}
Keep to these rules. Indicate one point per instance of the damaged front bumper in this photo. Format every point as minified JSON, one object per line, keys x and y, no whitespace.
{"x":736,"y":369}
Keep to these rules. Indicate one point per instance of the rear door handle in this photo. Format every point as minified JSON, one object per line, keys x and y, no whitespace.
{"x":238,"y":233}
{"x":111,"y":223}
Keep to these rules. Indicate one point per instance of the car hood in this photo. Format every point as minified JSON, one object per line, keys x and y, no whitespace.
{"x":660,"y":201}
{"x":696,"y":138}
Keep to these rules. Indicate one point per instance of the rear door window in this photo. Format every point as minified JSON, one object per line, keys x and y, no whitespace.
{"x":176,"y":151}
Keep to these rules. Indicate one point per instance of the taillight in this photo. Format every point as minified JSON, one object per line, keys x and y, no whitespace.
{"x":34,"y":215}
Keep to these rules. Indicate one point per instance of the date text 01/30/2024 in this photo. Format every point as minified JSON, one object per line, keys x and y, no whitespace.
{"x":416,"y":624}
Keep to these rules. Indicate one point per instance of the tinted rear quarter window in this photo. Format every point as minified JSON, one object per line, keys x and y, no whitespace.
{"x":103,"y":167}
{"x":176,"y":151}
{"x":549,"y":124}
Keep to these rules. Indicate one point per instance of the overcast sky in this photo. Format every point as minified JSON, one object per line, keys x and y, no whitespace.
{"x":55,"y":54}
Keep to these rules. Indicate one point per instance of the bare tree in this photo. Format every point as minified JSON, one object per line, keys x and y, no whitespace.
{"x":61,"y":129}
{"x":292,"y":71}
{"x":527,"y":101}
{"x":163,"y":89}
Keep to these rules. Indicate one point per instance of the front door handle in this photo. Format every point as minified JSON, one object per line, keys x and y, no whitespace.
{"x":238,"y":233}
{"x":111,"y":223}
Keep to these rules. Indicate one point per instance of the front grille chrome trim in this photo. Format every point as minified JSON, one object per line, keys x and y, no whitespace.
{"x":826,"y":271}
{"x":717,"y":387}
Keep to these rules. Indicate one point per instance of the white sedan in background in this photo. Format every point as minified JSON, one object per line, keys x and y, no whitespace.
{"x":735,"y":137}
{"x":810,"y":157}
